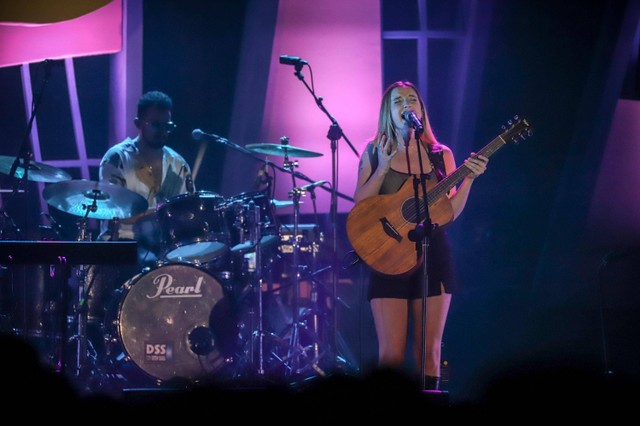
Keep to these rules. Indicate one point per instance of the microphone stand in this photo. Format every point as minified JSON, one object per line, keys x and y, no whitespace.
{"x":334,"y":134}
{"x":421,"y":235}
{"x":25,"y":153}
{"x":297,"y":174}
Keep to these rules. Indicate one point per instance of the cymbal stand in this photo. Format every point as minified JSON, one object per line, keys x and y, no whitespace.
{"x":295,"y":348}
{"x":80,"y":304}
{"x":256,"y":236}
{"x":294,"y":338}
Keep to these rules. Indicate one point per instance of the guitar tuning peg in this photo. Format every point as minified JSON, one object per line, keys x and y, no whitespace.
{"x":515,"y":117}
{"x":510,"y":122}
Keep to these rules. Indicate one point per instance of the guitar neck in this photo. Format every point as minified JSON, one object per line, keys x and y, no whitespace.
{"x":461,"y":172}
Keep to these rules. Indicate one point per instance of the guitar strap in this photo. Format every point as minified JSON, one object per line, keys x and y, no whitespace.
{"x":436,"y":156}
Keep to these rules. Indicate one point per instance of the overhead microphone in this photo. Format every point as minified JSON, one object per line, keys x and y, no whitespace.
{"x":292,"y":60}
{"x":412,"y":119}
{"x":198,"y":135}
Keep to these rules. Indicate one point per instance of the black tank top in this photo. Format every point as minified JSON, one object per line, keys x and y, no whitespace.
{"x":439,"y":264}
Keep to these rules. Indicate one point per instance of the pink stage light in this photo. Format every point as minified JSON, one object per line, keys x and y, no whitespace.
{"x":94,"y":33}
{"x":343,"y":48}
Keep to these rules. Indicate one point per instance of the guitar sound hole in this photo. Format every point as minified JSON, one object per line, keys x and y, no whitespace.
{"x":409,"y":210}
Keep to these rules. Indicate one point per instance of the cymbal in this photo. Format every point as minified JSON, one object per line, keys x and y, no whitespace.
{"x":281,"y":150}
{"x":112,"y":201}
{"x":38,"y":172}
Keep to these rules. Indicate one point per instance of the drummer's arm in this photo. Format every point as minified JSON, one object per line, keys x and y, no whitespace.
{"x":188,"y":185}
{"x":110,"y":172}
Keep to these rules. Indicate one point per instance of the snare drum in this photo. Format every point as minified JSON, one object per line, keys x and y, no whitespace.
{"x":193,"y":227}
{"x":172,"y":322}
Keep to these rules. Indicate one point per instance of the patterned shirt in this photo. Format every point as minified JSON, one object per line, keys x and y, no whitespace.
{"x":120,"y":165}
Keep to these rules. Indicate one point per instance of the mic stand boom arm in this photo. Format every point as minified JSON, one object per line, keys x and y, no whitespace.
{"x":338,"y":133}
{"x":25,"y":153}
{"x":269,"y":163}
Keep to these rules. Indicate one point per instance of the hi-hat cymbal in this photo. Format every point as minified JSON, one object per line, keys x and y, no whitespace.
{"x":38,"y":172}
{"x":281,"y":150}
{"x":112,"y":201}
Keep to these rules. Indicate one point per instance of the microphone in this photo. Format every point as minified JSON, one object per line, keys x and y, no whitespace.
{"x":311,"y":186}
{"x":198,"y":134}
{"x":412,"y":119}
{"x":292,"y":60}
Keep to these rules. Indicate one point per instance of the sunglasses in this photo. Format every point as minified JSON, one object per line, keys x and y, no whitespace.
{"x":167,"y":127}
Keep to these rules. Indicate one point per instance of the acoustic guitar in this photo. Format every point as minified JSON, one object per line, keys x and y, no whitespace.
{"x":378,"y":227}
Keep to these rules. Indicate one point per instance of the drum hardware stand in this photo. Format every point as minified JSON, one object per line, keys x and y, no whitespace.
{"x":8,"y":228}
{"x":83,"y":345}
{"x":256,"y":352}
{"x":295,"y":195}
{"x":295,"y":349}
{"x":255,"y":237}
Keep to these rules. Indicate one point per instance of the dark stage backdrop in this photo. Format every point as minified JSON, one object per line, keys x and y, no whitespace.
{"x":191,"y":51}
{"x":530,"y":298}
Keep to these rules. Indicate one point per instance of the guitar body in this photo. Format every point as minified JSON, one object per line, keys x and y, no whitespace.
{"x":378,"y":229}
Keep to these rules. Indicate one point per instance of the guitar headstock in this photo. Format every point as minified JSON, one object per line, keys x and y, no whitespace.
{"x":516,"y":130}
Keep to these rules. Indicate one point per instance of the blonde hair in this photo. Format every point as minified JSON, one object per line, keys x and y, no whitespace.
{"x":385,"y":120}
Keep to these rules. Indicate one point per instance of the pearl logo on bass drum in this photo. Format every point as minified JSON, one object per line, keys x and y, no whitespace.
{"x":166,"y":289}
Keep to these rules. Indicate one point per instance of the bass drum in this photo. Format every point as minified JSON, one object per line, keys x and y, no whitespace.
{"x":170,"y":324}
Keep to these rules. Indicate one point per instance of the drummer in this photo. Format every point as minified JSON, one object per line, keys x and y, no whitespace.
{"x":147,"y":166}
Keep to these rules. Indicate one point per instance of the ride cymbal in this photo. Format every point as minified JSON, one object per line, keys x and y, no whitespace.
{"x":281,"y":150}
{"x":111,"y":201}
{"x":37,"y":172}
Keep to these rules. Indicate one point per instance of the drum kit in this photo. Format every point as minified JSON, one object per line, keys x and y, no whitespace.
{"x":205,"y":310}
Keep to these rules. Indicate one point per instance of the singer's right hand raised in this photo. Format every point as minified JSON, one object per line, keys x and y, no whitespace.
{"x":385,"y":153}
